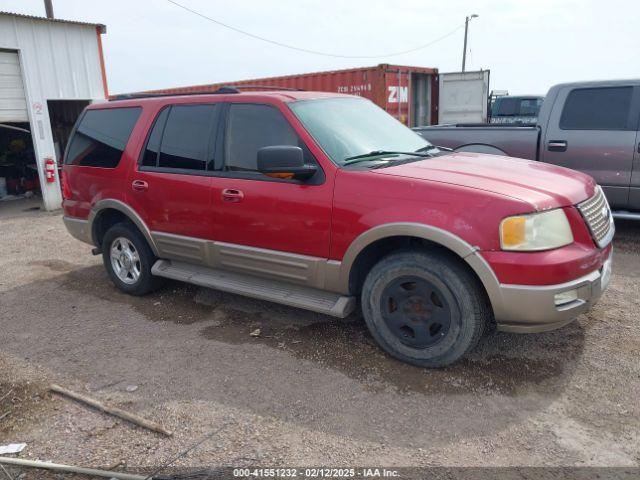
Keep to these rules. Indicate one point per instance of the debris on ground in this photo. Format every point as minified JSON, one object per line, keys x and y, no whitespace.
{"x":6,"y":395}
{"x":116,"y":412}
{"x":56,"y":467}
{"x":326,"y":397}
{"x":12,"y":448}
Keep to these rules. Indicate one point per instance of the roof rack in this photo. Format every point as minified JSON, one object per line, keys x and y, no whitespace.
{"x":226,"y":89}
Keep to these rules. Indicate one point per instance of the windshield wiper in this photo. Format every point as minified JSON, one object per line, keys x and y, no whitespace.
{"x":375,"y":153}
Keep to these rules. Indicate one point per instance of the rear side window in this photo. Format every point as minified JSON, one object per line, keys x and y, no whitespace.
{"x":251,"y":127}
{"x":597,"y":109}
{"x":101,"y":137}
{"x":181,"y":138}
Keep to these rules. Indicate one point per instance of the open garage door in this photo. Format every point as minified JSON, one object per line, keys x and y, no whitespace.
{"x":18,"y":166}
{"x":13,"y":103}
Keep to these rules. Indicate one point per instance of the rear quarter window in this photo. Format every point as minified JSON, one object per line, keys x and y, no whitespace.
{"x":101,"y":137}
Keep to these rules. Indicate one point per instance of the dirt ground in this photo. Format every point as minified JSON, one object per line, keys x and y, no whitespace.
{"x":309,"y":391}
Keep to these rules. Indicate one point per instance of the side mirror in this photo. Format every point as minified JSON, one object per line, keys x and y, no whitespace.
{"x":284,"y":161}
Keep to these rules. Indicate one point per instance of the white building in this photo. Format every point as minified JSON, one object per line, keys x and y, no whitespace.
{"x":50,"y":70}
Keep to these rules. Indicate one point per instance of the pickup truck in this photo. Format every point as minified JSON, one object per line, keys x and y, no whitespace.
{"x":318,"y":200}
{"x":587,"y":126}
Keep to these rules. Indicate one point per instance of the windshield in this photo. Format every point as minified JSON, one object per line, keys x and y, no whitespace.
{"x":347,"y":127}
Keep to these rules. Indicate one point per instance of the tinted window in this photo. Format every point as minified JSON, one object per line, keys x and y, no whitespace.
{"x":251,"y":127}
{"x":529,"y":107}
{"x":187,"y":137}
{"x":516,"y":107}
{"x":597,"y":109}
{"x":150,"y":157}
{"x":101,"y":137}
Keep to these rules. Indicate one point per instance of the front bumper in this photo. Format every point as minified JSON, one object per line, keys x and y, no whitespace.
{"x":530,"y":309}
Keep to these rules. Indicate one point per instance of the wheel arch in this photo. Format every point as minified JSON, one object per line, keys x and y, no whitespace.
{"x":481,"y":148}
{"x":386,"y":236}
{"x":112,"y":207}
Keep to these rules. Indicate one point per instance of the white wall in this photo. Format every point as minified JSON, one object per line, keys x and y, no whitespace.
{"x":59,"y":61}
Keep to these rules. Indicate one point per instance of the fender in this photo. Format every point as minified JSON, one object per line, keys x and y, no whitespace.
{"x":338,"y":277}
{"x":130,"y":213}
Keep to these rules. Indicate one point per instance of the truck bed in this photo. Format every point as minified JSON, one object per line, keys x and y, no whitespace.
{"x":498,"y":139}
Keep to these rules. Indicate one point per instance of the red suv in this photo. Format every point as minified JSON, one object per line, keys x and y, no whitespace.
{"x":315,"y":200}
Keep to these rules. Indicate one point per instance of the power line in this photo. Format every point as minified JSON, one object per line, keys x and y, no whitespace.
{"x":306,"y":50}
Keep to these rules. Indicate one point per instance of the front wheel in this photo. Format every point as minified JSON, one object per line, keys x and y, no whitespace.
{"x":128,"y":260}
{"x":424,"y":308}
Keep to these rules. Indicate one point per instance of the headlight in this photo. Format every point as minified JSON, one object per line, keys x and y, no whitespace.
{"x":538,"y":231}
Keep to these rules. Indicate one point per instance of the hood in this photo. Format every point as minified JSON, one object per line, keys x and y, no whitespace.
{"x":540,"y":184}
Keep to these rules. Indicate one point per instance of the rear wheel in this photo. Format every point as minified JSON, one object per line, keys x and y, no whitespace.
{"x":128,"y":260}
{"x":424,"y":308}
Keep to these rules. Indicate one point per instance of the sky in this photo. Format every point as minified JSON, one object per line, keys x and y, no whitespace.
{"x":528,"y":45}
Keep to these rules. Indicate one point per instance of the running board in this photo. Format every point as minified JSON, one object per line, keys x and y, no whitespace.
{"x":277,"y":291}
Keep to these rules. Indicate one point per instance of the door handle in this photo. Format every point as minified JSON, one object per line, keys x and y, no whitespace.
{"x":557,"y":146}
{"x":140,"y":185}
{"x":232,"y":195}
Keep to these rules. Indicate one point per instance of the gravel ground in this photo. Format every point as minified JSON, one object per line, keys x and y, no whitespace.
{"x":309,"y":391}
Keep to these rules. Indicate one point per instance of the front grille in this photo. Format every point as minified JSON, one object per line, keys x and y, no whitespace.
{"x":597,"y":214}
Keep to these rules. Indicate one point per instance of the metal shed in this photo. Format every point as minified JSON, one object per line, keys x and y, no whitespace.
{"x":50,"y":69}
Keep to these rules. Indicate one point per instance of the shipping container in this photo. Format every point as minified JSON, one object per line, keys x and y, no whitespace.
{"x":410,"y":94}
{"x":413,"y":95}
{"x":464,"y":97}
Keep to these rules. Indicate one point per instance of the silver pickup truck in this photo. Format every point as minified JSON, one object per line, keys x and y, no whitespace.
{"x":586,"y":126}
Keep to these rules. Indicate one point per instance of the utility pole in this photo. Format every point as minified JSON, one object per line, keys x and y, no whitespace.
{"x":48,"y":7}
{"x":466,"y":30}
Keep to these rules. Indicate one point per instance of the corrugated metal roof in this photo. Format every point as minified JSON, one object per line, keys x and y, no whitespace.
{"x":102,"y":27}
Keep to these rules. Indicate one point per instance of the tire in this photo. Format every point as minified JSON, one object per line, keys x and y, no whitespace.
{"x":424,"y":308}
{"x":131,"y":271}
